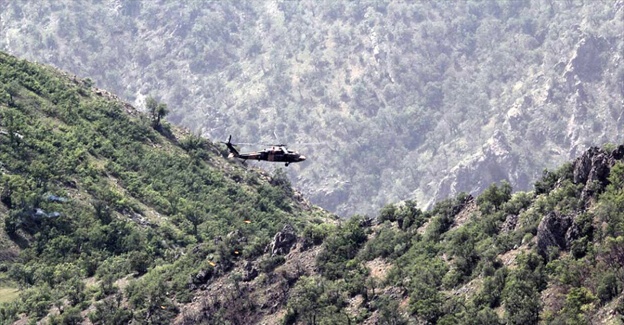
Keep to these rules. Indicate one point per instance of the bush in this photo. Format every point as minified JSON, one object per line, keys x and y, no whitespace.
{"x":387,"y":243}
{"x":409,"y":215}
{"x":578,"y":302}
{"x":267,"y":265}
{"x":70,"y":316}
{"x":609,"y":286}
{"x":110,"y":312}
{"x":341,"y":247}
{"x":522,"y":300}
{"x":494,"y":197}
{"x":317,"y":233}
{"x":139,"y":262}
{"x":491,"y":292}
{"x":387,"y":213}
{"x":8,"y":313}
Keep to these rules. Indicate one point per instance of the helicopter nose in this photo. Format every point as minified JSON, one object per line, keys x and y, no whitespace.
{"x":302,"y":158}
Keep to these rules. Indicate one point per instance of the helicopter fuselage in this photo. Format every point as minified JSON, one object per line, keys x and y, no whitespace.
{"x":275,"y":154}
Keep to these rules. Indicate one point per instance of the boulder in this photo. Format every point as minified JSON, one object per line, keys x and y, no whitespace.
{"x":592,"y":169}
{"x":250,"y":272}
{"x":510,"y":223}
{"x":582,"y":166}
{"x":283,"y":241}
{"x":199,"y":279}
{"x":552,"y":231}
{"x":618,"y":153}
{"x":592,"y":166}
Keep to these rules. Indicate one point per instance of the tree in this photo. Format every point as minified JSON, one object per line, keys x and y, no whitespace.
{"x":578,"y":303}
{"x":110,"y":311}
{"x":389,"y":312}
{"x":522,"y":304}
{"x":314,"y":300}
{"x":12,"y":90}
{"x":493,"y":197}
{"x":280,"y":179}
{"x":139,"y":262}
{"x":156,"y":110}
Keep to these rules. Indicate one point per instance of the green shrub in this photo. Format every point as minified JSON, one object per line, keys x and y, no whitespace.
{"x":316,"y":233}
{"x":387,"y":213}
{"x":494,"y":197}
{"x":340,"y":247}
{"x":267,"y":265}
{"x":609,"y":286}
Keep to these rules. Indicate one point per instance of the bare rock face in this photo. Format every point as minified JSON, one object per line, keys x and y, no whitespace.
{"x":586,"y":62}
{"x":199,"y":280}
{"x":552,"y":232}
{"x":495,"y":162}
{"x":283,"y":241}
{"x":592,"y":169}
{"x":618,"y":154}
{"x":510,"y":223}
{"x":593,"y":165}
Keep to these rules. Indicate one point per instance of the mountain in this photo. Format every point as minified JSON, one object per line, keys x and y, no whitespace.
{"x":404,"y":100}
{"x":93,"y":190}
{"x":112,"y":216}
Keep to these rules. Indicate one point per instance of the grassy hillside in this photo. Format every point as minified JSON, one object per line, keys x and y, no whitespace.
{"x":94,"y":192}
{"x":416,"y":99}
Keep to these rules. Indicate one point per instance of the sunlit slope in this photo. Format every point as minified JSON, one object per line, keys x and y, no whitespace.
{"x":550,"y":255}
{"x":93,"y":191}
{"x":111,"y":218}
{"x":408,"y":99}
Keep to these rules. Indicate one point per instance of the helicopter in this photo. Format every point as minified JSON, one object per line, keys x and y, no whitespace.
{"x":276,"y":153}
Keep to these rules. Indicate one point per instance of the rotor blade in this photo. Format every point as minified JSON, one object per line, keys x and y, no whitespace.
{"x":311,"y":144}
{"x":279,"y":145}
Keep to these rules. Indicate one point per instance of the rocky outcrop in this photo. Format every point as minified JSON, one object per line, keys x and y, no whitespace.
{"x":592,"y":169}
{"x":510,"y":224}
{"x":199,"y":280}
{"x":586,"y":62}
{"x":494,"y":163}
{"x":283,"y":241}
{"x":250,"y":272}
{"x":592,"y":166}
{"x":551,"y":232}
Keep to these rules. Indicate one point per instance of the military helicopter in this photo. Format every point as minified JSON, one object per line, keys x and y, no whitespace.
{"x":276,"y":153}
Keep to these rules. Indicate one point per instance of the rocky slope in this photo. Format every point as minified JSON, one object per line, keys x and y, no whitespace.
{"x":549,"y":262}
{"x":97,"y":198}
{"x":408,"y":100}
{"x":109,"y":217}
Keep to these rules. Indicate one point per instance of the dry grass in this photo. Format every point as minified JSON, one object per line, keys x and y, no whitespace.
{"x":378,"y":268}
{"x":8,"y":294}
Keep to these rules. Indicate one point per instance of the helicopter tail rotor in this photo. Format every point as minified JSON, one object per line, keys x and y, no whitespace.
{"x":233,"y":151}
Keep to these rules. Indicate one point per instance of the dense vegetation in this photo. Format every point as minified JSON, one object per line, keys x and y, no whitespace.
{"x":90,"y":188}
{"x":416,"y":99}
{"x":115,"y":216}
{"x":489,"y":268}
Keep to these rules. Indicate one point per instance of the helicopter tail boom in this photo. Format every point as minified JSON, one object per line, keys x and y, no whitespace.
{"x":233,"y":151}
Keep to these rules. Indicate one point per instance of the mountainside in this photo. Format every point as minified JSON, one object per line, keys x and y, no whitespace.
{"x":93,"y":191}
{"x":111,"y":216}
{"x":419,"y":99}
